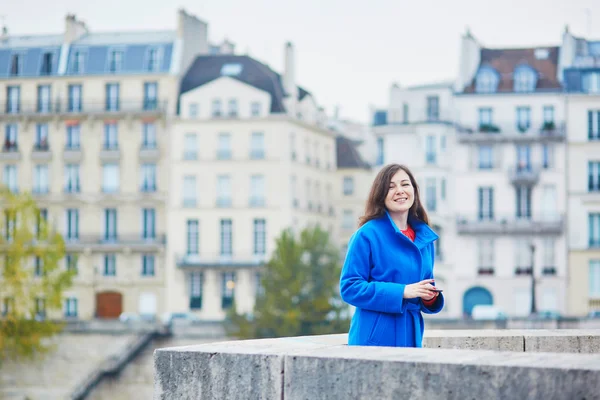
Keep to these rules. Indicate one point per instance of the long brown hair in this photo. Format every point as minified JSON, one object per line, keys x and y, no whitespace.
{"x":375,"y":207}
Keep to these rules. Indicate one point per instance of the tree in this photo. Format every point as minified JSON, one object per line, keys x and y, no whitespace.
{"x":31,"y":278}
{"x":299,"y":291}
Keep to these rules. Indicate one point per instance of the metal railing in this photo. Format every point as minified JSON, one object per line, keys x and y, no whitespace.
{"x":84,"y":107}
{"x":224,"y":260}
{"x":504,"y":224}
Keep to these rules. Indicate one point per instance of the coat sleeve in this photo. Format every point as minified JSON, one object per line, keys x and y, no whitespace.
{"x":355,"y":287}
{"x":439,"y":302}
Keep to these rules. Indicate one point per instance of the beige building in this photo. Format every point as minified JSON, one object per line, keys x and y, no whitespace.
{"x":84,"y":122}
{"x":249,"y":158}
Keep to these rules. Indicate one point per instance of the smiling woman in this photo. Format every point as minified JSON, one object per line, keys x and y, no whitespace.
{"x":388,"y":272}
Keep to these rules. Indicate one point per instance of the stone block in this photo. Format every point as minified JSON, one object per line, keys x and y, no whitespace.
{"x":501,"y":340}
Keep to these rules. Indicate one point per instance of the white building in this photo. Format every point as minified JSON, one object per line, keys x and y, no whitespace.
{"x":250,"y":157}
{"x":580,"y":67}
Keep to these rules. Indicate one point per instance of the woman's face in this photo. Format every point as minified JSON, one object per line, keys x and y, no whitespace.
{"x":401,"y":193}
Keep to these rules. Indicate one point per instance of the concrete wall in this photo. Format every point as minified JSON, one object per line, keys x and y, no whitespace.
{"x":324,"y":367}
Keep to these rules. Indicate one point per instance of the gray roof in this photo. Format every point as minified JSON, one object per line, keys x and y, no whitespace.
{"x":15,"y":42}
{"x":126,"y":38}
{"x":348,"y":155}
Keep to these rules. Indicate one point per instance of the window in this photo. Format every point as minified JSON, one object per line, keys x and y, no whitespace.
{"x":485,"y":118}
{"x":405,"y":113}
{"x":523,"y":119}
{"x":110,"y":265}
{"x":255,"y":109}
{"x":110,"y":178}
{"x":190,"y":146}
{"x":231,"y":69}
{"x":591,"y":82}
{"x":260,"y":289}
{"x":348,"y":186}
{"x":293,"y":146}
{"x":72,"y":224}
{"x":41,"y":221}
{"x":112,"y":97}
{"x":523,"y":158}
{"x":72,"y":178}
{"x":430,"y":151}
{"x":148,"y":223}
{"x":148,"y":184}
{"x":443,"y":142}
{"x":308,"y":196}
{"x":78,"y":62}
{"x":430,"y":194}
{"x":232,"y":108}
{"x":11,"y":178}
{"x":153,"y":60}
{"x":115,"y":61}
{"x":257,"y":146}
{"x":10,"y":218}
{"x":307,"y":151}
{"x":193,"y":237}
{"x":347,"y":219}
{"x":41,"y":137}
{"x":260,"y":240}
{"x":443,"y":189}
{"x":70,"y":307}
{"x":594,"y":278}
{"x":486,"y":81}
{"x":150,"y":96}
{"x":227,"y":290}
{"x":327,"y":157}
{"x":111,"y":136}
{"x":216,"y":108}
{"x":71,"y":262}
{"x":523,"y":256}
{"x":13,"y":99}
{"x":433,"y":108}
{"x":148,"y":265}
{"x":193,"y":110}
{"x":549,"y":266}
{"x":548,"y":114}
{"x":294,"y":191}
{"x":46,"y":68}
{"x":485,"y":255}
{"x":41,"y":181}
{"x":149,"y":135}
{"x":224,"y":147}
{"x":523,"y":195}
{"x":110,"y":224}
{"x":525,"y":79}
{"x":594,"y":229}
{"x":75,"y":97}
{"x":226,"y":237}
{"x":189,"y":191}
{"x":257,"y":190}
{"x":40,"y":307}
{"x":11,"y":142}
{"x":73,"y":137}
{"x":380,"y":158}
{"x":547,"y":156}
{"x":486,"y":157}
{"x":223,"y":191}
{"x":196,"y":283}
{"x":594,"y":125}
{"x":16,"y":65}
{"x":44,"y":99}
{"x":486,"y":203}
{"x":39,"y":267}
{"x":317,"y":160}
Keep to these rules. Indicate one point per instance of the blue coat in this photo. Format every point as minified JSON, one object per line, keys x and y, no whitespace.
{"x":380,"y":262}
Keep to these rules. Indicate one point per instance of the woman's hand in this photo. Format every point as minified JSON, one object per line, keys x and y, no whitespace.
{"x":420,"y":289}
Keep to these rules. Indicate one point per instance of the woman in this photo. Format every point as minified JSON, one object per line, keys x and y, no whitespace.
{"x":388,"y":272}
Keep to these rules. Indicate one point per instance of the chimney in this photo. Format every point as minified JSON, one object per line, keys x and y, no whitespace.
{"x":74,"y":29}
{"x":289,"y":74}
{"x":4,"y":34}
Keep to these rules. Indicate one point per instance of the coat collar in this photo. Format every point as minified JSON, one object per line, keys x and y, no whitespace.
{"x":424,"y":234}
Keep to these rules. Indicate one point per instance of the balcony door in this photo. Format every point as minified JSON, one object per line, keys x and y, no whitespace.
{"x":549,"y":200}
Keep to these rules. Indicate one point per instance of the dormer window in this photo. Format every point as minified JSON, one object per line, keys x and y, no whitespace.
{"x":231,"y":69}
{"x":525,"y":79}
{"x":486,"y":81}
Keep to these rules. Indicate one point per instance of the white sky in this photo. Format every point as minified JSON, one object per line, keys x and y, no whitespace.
{"x":348,"y":52}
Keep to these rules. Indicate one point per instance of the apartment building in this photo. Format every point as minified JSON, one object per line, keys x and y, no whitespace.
{"x":83,"y":117}
{"x":580,"y":64}
{"x":417,"y":130}
{"x":250,"y":157}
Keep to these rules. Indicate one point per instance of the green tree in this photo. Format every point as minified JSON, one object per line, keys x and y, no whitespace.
{"x":32,"y":278}
{"x":299,"y":291}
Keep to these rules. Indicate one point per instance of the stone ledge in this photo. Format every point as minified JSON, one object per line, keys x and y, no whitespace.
{"x":325,"y":367}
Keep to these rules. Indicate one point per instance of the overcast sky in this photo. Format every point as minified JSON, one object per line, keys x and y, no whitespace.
{"x":348,"y":52}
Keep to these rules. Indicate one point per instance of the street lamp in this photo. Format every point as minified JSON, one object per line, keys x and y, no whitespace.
{"x":533,"y":307}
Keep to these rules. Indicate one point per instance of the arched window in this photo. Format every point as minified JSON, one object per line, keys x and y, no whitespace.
{"x":487,"y":80}
{"x":475,"y":296}
{"x":525,"y":79}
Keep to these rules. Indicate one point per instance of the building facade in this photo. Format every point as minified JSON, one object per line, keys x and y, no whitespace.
{"x":250,"y":158}
{"x":84,"y":117}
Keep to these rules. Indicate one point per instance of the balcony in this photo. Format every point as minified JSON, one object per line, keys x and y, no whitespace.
{"x":102,"y":243}
{"x":72,"y":154}
{"x":149,"y":152}
{"x":524,"y":175}
{"x":98,"y":108}
{"x":550,"y":225}
{"x":110,"y":152}
{"x":41,"y":152}
{"x":221,"y":261}
{"x":10,"y":152}
{"x":509,"y":133}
